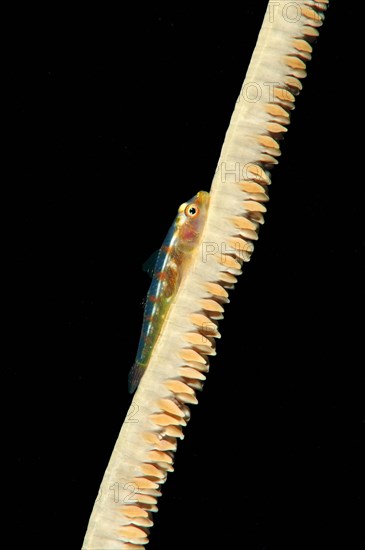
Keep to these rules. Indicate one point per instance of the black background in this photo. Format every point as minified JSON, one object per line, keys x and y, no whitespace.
{"x":119,"y":117}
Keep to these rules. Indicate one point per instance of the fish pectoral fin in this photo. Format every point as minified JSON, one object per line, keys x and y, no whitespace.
{"x":150,"y":264}
{"x":134,"y":376}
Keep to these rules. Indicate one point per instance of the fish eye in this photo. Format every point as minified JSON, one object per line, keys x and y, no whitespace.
{"x":191,"y":211}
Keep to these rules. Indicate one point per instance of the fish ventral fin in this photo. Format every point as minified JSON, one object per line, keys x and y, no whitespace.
{"x":149,"y":265}
{"x":134,"y":376}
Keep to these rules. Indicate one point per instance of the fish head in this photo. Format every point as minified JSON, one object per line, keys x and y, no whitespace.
{"x":191,"y":218}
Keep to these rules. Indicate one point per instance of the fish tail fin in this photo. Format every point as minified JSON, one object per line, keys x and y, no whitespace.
{"x":134,"y":376}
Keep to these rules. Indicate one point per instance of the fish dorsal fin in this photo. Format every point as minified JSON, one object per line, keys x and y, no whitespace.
{"x":150,"y":264}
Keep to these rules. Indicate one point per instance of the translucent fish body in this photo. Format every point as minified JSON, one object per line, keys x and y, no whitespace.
{"x":172,"y":263}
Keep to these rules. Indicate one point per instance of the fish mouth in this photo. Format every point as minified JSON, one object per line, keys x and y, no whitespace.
{"x":202,"y":197}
